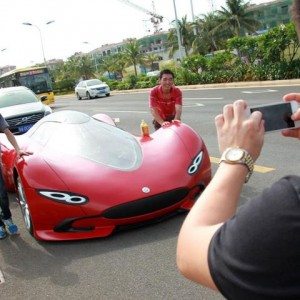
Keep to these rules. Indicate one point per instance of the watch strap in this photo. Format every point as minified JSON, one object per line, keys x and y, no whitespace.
{"x":246,"y":160}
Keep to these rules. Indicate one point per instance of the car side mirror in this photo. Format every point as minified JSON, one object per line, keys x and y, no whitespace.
{"x":43,"y":98}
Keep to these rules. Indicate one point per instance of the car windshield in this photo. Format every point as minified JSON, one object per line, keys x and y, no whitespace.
{"x":93,"y":140}
{"x":93,"y":82}
{"x":11,"y":98}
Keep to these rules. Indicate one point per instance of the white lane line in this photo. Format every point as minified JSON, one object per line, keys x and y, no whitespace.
{"x":126,"y":111}
{"x":2,"y":280}
{"x":215,"y":98}
{"x":259,"y":91}
{"x":193,"y":105}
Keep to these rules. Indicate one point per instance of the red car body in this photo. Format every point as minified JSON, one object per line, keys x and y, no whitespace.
{"x":66,"y":192}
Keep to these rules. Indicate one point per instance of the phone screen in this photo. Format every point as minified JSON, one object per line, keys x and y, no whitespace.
{"x":277,"y":116}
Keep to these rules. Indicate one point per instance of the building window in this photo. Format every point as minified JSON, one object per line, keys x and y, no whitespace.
{"x":284,"y":9}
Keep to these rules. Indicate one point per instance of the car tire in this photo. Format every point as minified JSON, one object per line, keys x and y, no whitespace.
{"x":88,"y":96}
{"x":21,"y":197}
{"x":107,"y":95}
{"x":78,"y":97}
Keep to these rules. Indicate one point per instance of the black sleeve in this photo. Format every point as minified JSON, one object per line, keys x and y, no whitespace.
{"x":256,"y":254}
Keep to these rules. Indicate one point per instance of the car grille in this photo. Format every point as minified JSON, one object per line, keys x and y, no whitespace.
{"x":16,"y":123}
{"x":146,"y":205}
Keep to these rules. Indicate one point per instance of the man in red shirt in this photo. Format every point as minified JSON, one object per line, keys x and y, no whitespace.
{"x":165,"y":100}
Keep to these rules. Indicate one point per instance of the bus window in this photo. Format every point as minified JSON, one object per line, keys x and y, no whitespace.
{"x":36,"y":78}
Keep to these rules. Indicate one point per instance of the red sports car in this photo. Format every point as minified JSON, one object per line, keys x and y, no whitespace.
{"x":87,"y":177}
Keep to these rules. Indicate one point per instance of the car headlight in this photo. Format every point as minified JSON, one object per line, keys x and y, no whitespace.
{"x":193,"y":168}
{"x":48,"y":111}
{"x":64,"y":197}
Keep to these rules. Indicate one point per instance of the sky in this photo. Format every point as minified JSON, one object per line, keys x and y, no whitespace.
{"x":82,"y":26}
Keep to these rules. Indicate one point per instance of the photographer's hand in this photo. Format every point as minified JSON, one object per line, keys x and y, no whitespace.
{"x":235,"y":129}
{"x":296,"y":116}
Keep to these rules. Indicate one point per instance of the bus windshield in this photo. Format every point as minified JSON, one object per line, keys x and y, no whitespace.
{"x":38,"y":83}
{"x":35,"y":78}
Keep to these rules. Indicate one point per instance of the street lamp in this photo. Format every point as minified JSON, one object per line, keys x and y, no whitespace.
{"x":178,"y":33}
{"x":40,"y":32}
{"x":193,"y":16}
{"x":93,"y":57}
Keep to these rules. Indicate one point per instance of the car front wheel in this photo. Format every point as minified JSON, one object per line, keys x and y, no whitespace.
{"x":88,"y":95}
{"x":24,"y":206}
{"x":107,"y":95}
{"x":78,"y":97}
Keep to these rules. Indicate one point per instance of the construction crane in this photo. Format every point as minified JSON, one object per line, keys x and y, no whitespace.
{"x":155,"y":18}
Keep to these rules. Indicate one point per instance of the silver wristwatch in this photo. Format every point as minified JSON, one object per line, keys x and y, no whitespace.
{"x":238,"y":155}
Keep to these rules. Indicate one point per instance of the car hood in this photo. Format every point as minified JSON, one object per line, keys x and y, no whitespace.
{"x":22,"y":109}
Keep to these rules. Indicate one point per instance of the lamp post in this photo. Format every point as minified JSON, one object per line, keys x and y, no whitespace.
{"x":93,"y":57}
{"x":178,"y":33}
{"x":193,"y":16}
{"x":41,"y":38}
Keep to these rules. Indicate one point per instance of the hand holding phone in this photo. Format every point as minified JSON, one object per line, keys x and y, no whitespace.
{"x":277,"y":116}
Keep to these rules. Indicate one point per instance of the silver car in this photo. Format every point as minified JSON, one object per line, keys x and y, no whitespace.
{"x":21,"y":108}
{"x":91,"y":88}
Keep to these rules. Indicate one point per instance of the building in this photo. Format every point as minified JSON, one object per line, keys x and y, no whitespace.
{"x":271,"y":14}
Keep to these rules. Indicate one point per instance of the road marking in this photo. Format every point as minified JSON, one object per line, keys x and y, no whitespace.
{"x":257,"y":168}
{"x":193,"y":105}
{"x":2,"y":280}
{"x":259,"y":91}
{"x":125,"y":111}
{"x":215,"y":98}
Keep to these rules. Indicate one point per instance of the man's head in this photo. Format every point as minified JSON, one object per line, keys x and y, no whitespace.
{"x":166,"y":71}
{"x":296,"y":15}
{"x":166,"y":79}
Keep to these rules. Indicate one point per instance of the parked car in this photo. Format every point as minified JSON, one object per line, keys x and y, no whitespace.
{"x":21,"y":108}
{"x":88,"y":178}
{"x":91,"y":88}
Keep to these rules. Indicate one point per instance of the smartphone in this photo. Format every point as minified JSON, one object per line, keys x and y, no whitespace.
{"x":277,"y":116}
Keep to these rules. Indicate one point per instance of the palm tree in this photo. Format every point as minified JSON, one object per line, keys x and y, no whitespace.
{"x":150,"y":59}
{"x":106,"y":64}
{"x":172,"y":42}
{"x":207,"y":39}
{"x":132,"y":53}
{"x":186,"y":34}
{"x":236,"y":17}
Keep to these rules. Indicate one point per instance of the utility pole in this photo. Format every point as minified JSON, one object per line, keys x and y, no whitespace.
{"x":193,"y":17}
{"x":180,"y":47}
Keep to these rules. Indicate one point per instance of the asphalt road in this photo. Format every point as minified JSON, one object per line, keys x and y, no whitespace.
{"x":139,"y":263}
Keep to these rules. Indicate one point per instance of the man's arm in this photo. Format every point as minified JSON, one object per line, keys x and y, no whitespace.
{"x":219,"y":200}
{"x":156,"y":115}
{"x":178,"y":112}
{"x":11,"y":138}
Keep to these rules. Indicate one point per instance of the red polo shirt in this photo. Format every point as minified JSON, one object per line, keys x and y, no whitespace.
{"x":164,"y":105}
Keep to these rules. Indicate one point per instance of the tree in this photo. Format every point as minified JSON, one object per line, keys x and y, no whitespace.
{"x":187,"y":34}
{"x":207,"y":39}
{"x":172,"y":42}
{"x":236,"y":17}
{"x":150,"y":59}
{"x":132,"y":54}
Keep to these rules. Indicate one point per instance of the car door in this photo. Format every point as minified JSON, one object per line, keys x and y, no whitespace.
{"x":81,"y":89}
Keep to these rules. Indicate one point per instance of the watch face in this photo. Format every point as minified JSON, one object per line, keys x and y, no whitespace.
{"x":235,"y":154}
